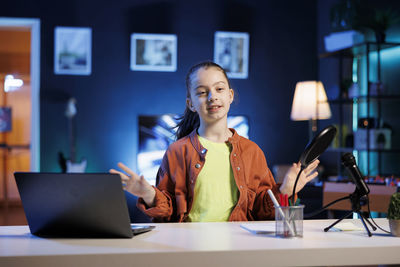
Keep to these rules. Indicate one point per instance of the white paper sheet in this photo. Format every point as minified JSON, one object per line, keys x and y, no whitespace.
{"x":259,"y":228}
{"x":347,"y":226}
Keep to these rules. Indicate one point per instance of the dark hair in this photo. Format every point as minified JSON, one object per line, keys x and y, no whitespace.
{"x":190,"y":120}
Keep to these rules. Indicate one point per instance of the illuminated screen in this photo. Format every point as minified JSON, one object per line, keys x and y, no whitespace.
{"x":156,"y":133}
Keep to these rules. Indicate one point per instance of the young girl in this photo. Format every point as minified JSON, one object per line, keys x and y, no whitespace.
{"x":211,"y":173}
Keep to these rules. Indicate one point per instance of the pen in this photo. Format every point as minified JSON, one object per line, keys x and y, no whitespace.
{"x":278,"y":207}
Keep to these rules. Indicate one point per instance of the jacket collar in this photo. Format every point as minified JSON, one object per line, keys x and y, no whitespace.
{"x":194,"y":139}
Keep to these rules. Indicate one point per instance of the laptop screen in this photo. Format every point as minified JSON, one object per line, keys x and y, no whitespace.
{"x":74,"y":204}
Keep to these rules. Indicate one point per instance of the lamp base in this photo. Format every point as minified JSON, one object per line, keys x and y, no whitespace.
{"x":312,"y":128}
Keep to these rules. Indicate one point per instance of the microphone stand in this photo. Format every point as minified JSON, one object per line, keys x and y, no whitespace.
{"x":357,"y":201}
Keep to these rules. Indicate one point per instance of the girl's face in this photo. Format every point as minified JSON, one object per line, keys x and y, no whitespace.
{"x":210,"y":95}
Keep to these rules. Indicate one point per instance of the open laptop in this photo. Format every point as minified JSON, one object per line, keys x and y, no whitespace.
{"x":76,"y":205}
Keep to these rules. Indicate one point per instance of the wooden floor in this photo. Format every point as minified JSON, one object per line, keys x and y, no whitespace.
{"x":12,"y":216}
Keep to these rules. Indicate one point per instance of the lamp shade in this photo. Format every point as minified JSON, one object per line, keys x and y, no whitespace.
{"x":310,"y":102}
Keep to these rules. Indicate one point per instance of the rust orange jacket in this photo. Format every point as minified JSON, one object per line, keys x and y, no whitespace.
{"x":183,"y":162}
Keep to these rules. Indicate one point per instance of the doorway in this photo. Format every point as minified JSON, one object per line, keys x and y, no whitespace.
{"x":19,"y":110}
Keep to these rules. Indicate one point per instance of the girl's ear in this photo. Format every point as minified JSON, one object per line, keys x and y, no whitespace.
{"x":190,"y":105}
{"x":232,"y":92}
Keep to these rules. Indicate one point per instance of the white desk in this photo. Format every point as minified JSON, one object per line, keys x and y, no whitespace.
{"x":203,"y":244}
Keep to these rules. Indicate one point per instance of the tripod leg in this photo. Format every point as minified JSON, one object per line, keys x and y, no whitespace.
{"x":339,"y":220}
{"x":365,"y":226}
{"x":370,"y":224}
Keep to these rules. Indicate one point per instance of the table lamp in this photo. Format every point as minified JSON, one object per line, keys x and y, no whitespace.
{"x":310,"y":103}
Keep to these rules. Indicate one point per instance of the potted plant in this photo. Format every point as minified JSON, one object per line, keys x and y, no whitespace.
{"x":342,"y":15}
{"x":394,"y":214}
{"x":377,"y":20}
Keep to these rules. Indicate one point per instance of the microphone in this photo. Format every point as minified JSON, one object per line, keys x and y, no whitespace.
{"x":349,"y":162}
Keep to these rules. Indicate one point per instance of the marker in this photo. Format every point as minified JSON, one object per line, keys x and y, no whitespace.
{"x":276,"y":204}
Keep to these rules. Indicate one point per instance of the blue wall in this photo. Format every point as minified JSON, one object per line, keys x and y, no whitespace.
{"x":283,"y":50}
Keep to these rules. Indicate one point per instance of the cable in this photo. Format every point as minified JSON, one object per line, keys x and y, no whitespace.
{"x":372,"y":219}
{"x":308,"y":215}
{"x":295,"y":183}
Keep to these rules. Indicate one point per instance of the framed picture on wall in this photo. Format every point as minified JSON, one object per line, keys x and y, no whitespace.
{"x":153,"y":52}
{"x":73,"y":50}
{"x":231,"y":51}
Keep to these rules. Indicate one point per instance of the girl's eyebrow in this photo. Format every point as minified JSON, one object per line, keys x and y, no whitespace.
{"x":200,"y":86}
{"x":219,"y":82}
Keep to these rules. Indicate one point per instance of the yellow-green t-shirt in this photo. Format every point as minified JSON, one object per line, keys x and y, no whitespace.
{"x":215,"y":192}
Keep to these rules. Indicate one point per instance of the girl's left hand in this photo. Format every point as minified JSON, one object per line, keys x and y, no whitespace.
{"x":307,"y":175}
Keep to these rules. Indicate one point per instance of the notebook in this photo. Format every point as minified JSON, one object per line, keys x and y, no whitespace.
{"x":76,"y":205}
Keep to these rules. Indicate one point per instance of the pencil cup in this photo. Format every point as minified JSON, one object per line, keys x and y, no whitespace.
{"x":289,"y":221}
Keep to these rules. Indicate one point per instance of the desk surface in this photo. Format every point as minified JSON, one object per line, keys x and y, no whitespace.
{"x":203,"y":244}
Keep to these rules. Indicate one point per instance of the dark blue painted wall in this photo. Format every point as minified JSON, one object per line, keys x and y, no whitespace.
{"x":283,"y":50}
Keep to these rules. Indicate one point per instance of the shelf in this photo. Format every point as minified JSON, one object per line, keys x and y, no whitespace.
{"x":341,"y":101}
{"x":363,"y":50}
{"x":358,"y":49}
{"x":350,"y":149}
{"x":363,"y":98}
{"x":7,"y":146}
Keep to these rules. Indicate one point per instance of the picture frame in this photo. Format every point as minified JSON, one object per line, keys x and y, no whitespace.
{"x":153,"y":52}
{"x":231,"y":51}
{"x":72,"y":50}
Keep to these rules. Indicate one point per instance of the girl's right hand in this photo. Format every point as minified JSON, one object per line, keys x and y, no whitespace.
{"x":136,"y":184}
